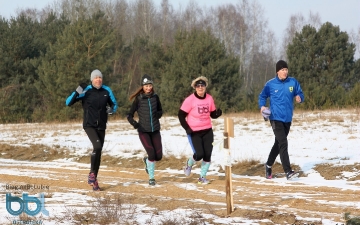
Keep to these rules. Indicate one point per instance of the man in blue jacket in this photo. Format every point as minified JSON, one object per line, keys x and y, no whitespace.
{"x":281,"y":90}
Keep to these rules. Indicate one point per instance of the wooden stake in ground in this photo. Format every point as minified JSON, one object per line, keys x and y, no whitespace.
{"x":228,"y":132}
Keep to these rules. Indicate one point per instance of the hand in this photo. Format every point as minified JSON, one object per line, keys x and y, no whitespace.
{"x":189,"y":131}
{"x":136,"y":125}
{"x":80,"y":88}
{"x":109,"y":110}
{"x":158,"y":114}
{"x":262,"y":108}
{"x":297,"y":99}
{"x":265,"y":113}
{"x":218,"y":112}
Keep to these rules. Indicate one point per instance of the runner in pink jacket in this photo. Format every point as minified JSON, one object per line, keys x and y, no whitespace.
{"x":195,"y":117}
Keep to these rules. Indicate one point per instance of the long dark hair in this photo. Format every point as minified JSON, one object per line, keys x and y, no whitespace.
{"x":139,"y":91}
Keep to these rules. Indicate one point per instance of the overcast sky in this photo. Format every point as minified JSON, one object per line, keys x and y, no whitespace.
{"x":342,"y":13}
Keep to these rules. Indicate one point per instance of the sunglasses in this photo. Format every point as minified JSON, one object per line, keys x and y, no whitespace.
{"x":200,"y":85}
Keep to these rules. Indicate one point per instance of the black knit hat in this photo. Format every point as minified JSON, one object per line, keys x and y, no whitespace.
{"x":280,"y":65}
{"x":146,"y":79}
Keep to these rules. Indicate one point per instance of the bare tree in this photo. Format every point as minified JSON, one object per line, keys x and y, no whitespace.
{"x":295,"y":24}
{"x":354,"y":37}
{"x":192,"y":17}
{"x":144,"y":17}
{"x":167,"y":24}
{"x":75,"y":9}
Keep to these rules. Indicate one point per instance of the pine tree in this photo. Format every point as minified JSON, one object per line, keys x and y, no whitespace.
{"x":322,"y":61}
{"x":86,"y":45}
{"x":194,"y":54}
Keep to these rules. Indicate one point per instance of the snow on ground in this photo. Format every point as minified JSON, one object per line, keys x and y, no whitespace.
{"x":315,"y":137}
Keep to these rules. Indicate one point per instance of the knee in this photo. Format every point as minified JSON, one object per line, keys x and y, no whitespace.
{"x":198,"y":157}
{"x":96,"y":150}
{"x":283,"y":142}
{"x":158,"y":158}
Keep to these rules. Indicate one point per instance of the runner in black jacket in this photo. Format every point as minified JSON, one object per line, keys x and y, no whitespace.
{"x":97,"y":101}
{"x":148,"y":106}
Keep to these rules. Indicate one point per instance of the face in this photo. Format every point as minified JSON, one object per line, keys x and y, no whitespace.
{"x":147,"y":88}
{"x":97,"y":82}
{"x":200,"y":90}
{"x":282,"y":74}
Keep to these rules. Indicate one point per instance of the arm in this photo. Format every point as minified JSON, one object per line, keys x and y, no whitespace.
{"x":216,"y":113}
{"x":72,"y":99}
{"x":299,"y":95}
{"x":263,"y":96}
{"x":159,"y":108}
{"x":182,"y":118}
{"x":112,"y":102}
{"x":77,"y":95}
{"x":130,"y":115}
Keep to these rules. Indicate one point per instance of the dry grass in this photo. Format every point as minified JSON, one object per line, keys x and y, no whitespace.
{"x":121,"y":208}
{"x":249,"y":167}
{"x":336,"y":172}
{"x":36,"y":152}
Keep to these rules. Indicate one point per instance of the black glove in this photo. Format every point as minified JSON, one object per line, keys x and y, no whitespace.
{"x":189,"y":131}
{"x":158,"y":114}
{"x":81,"y":87}
{"x":136,"y":125}
{"x":218,"y":112}
{"x":109,"y":110}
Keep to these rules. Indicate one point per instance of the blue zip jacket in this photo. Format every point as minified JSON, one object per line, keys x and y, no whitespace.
{"x":281,"y":94}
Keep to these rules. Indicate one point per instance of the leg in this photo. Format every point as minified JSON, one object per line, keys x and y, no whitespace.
{"x":281,"y":131}
{"x":197,"y":143}
{"x":97,"y":139}
{"x":190,"y":162}
{"x":156,"y":140}
{"x":146,"y":140}
{"x":207,"y":140}
{"x":273,"y":153}
{"x":275,"y":148}
{"x":101,"y":135}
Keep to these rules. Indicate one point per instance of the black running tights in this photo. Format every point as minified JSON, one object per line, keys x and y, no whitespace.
{"x":97,"y":138}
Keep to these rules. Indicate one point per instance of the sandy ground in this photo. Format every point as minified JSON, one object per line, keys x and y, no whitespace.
{"x":254,"y":198}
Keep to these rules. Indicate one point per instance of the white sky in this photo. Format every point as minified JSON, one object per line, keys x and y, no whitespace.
{"x":345,"y":14}
{"x":315,"y":138}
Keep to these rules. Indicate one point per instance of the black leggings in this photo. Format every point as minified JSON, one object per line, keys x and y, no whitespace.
{"x":280,"y":147}
{"x":202,"y":141}
{"x":152,"y":144}
{"x":97,"y":138}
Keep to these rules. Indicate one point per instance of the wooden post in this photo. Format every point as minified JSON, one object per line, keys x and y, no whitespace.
{"x":229,"y":132}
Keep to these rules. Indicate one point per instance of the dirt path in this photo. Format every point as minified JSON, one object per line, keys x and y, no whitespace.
{"x":254,"y":197}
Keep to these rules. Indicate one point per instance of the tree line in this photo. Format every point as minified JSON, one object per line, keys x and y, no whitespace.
{"x":45,"y":54}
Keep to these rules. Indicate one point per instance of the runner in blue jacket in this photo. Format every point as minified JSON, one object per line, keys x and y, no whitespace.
{"x":281,"y":91}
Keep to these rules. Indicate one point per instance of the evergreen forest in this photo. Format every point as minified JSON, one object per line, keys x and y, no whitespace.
{"x":46,"y":53}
